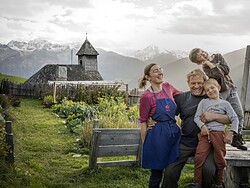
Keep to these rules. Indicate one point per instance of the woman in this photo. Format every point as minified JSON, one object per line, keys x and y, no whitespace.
{"x":160,"y":143}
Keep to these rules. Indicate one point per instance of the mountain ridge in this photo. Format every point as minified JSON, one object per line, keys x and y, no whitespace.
{"x":26,"y":58}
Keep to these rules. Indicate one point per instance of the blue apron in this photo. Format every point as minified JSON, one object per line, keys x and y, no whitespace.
{"x":161,"y":145}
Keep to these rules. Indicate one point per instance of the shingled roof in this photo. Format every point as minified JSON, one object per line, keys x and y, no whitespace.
{"x":87,"y":49}
{"x":74,"y":73}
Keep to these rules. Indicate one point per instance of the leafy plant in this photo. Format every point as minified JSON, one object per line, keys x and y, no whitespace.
{"x":91,"y":94}
{"x":74,"y":112}
{"x":48,"y":101}
{"x":4,"y":101}
{"x":3,"y":145}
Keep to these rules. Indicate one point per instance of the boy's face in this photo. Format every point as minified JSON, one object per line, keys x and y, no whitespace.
{"x":212,"y":91}
{"x":201,"y":57}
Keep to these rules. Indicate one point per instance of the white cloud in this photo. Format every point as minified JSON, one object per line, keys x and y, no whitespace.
{"x":130,"y":24}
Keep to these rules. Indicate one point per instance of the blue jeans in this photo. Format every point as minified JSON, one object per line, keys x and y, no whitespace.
{"x":232,"y":97}
{"x":155,"y":178}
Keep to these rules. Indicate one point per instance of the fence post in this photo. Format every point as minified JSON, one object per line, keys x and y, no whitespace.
{"x":96,"y":123}
{"x":94,"y":145}
{"x":54,"y":92}
{"x":9,"y":141}
{"x":126,"y":95}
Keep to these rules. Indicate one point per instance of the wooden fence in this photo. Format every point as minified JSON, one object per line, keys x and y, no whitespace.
{"x":67,"y":90}
{"x":25,"y":90}
{"x":134,"y":96}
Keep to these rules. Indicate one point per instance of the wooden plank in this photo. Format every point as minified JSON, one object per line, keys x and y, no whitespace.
{"x":117,"y":163}
{"x":245,"y":132}
{"x":119,"y":136}
{"x":119,"y":150}
{"x":114,"y":129}
{"x":236,"y":157}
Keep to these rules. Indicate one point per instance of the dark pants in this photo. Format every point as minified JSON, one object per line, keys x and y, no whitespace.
{"x":155,"y":178}
{"x":173,"y":171}
{"x":244,"y":176}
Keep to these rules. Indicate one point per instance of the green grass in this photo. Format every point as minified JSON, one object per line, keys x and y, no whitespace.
{"x":44,"y":150}
{"x":12,"y":78}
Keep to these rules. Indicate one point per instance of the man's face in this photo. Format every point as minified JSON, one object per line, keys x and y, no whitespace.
{"x":195,"y":84}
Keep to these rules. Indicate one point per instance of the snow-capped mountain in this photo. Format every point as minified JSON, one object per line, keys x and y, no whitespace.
{"x":179,"y":54}
{"x":39,"y":44}
{"x":151,"y":52}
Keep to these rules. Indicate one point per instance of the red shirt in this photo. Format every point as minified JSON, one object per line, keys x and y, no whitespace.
{"x":148,"y":101}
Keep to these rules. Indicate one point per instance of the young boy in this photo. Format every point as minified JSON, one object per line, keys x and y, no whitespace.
{"x":212,"y":134}
{"x":216,"y":67}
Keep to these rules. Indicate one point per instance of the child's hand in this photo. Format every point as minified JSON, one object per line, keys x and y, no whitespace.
{"x":204,"y":130}
{"x":208,"y":64}
{"x":228,"y":137}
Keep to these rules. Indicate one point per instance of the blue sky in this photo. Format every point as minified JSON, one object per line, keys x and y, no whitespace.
{"x":120,"y":25}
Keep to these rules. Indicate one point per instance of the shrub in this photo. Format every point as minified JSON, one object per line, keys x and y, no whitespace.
{"x":48,"y":101}
{"x":91,"y":94}
{"x":4,"y":101}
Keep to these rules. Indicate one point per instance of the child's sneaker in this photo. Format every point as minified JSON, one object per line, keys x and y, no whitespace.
{"x":238,"y":142}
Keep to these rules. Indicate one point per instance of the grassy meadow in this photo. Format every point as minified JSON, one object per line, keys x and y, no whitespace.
{"x":48,"y":155}
{"x":12,"y":78}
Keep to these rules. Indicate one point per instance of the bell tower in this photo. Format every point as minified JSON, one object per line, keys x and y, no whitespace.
{"x":87,"y":56}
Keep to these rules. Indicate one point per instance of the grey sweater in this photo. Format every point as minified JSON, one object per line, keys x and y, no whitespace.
{"x":218,"y":106}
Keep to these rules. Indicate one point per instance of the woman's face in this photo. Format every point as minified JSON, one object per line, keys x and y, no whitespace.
{"x":156,"y":75}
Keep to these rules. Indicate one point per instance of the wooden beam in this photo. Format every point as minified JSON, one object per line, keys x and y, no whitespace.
{"x":54,"y":92}
{"x":245,"y":79}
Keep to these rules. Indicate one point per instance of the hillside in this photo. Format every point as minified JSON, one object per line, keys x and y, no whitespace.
{"x":15,"y":79}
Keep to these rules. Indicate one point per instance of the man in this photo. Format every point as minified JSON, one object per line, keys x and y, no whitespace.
{"x":187,"y":103}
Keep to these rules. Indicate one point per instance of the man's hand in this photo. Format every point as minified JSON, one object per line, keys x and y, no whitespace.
{"x":150,"y":123}
{"x":207,"y":117}
{"x":228,"y":137}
